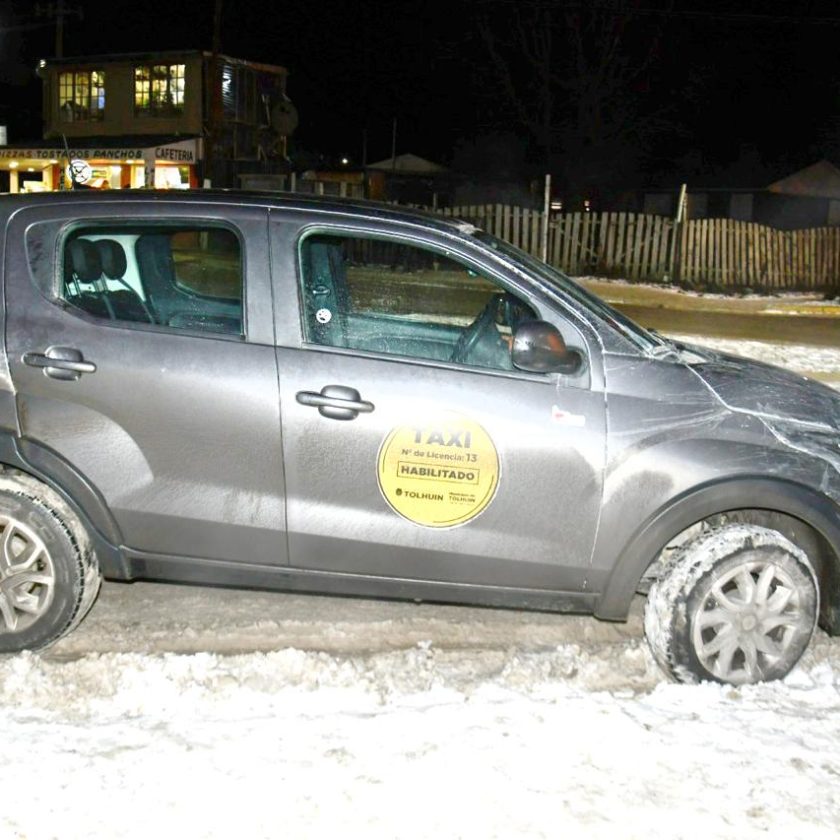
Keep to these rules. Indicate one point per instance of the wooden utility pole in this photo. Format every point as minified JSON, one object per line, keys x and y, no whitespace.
{"x":394,"y":147}
{"x":676,"y":241}
{"x":217,"y":27}
{"x":58,"y":10}
{"x":214,"y":101}
{"x":59,"y":30}
{"x":546,"y":214}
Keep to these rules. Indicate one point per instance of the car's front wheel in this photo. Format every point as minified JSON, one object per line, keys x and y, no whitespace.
{"x":49,"y":577}
{"x":736,"y":605}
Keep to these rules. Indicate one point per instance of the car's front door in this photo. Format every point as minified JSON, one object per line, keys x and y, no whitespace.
{"x":412,"y":448}
{"x":142,"y":354}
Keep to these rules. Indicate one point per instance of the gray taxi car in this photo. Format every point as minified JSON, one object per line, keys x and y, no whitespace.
{"x":304,"y":394}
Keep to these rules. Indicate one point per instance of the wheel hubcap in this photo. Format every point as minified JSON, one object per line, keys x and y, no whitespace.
{"x":27,"y":576}
{"x":751,"y":618}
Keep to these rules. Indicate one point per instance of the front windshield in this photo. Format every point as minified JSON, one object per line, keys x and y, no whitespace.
{"x":629,"y":329}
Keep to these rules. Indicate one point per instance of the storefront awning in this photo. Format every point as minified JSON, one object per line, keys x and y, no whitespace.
{"x":181,"y":152}
{"x":110,"y":162}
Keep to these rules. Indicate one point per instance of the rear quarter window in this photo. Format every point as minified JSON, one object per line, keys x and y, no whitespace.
{"x":170,"y":277}
{"x":208,"y":263}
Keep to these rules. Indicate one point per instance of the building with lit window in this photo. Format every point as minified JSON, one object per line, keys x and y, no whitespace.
{"x":171,"y":119}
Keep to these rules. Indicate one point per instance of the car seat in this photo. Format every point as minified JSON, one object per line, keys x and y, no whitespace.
{"x":126,"y":304}
{"x":83,"y":278}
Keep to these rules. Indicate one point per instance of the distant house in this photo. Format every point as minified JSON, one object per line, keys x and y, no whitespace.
{"x":347,"y":183}
{"x":409,"y":179}
{"x":167,"y":119}
{"x":807,"y":198}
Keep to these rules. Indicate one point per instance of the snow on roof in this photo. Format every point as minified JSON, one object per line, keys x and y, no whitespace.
{"x":820,"y":180}
{"x":408,"y":163}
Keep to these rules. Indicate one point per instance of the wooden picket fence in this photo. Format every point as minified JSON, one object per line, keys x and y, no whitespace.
{"x":632,"y":245}
{"x":733,"y":253}
{"x":641,"y":247}
{"x":520,"y":226}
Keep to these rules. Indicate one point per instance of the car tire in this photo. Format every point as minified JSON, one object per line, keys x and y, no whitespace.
{"x":737,"y":605}
{"x":49,"y":576}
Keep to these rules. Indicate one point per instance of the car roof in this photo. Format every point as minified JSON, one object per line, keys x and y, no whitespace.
{"x":285,"y":200}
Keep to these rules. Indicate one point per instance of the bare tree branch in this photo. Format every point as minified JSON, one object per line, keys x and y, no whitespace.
{"x":574,"y":72}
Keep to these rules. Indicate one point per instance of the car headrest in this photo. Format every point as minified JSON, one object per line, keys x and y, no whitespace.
{"x":84,"y":260}
{"x":112,"y":257}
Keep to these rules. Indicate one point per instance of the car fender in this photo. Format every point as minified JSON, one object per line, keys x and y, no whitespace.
{"x":699,"y":503}
{"x":76,"y":490}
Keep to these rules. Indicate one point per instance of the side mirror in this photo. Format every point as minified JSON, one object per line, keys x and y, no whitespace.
{"x":539,"y":347}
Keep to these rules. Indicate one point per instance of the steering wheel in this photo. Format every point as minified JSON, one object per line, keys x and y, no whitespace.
{"x":512,"y":312}
{"x":472,"y":336}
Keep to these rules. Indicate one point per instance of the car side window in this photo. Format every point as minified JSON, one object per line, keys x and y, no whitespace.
{"x":179,"y":277}
{"x":394,"y":297}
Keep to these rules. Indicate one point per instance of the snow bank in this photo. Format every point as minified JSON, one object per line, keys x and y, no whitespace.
{"x":800,"y":298}
{"x":414,"y":743}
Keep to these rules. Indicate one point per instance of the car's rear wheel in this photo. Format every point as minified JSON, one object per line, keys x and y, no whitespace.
{"x":735,"y":605}
{"x":48,"y":573}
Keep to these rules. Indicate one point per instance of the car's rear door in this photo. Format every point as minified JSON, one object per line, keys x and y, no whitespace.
{"x":174,"y":423}
{"x":402,"y":464}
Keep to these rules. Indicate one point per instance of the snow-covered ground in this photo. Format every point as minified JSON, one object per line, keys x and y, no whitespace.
{"x":802,"y":358}
{"x":415,"y":743}
{"x":196,"y":712}
{"x":781,"y":302}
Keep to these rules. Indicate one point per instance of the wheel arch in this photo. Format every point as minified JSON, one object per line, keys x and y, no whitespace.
{"x":77,"y":491}
{"x":816,"y":515}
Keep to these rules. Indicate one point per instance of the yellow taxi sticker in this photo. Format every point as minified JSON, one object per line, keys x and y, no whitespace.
{"x":439,"y":473}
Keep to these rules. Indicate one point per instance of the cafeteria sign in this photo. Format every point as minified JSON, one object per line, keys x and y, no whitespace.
{"x":181,"y":152}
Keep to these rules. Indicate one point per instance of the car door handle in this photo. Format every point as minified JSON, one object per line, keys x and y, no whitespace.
{"x":338,"y":402}
{"x":64,"y":363}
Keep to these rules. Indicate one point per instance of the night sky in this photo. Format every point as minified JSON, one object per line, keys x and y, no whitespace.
{"x":713,"y":91}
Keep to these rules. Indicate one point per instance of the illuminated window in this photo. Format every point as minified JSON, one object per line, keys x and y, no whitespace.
{"x":81,"y":95}
{"x":159,"y":90}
